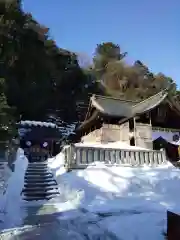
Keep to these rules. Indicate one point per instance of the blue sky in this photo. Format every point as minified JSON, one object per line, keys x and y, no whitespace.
{"x":147,"y":30}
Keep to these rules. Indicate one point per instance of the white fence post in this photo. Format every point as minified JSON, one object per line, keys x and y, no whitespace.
{"x":164,"y":157}
{"x":69,"y":157}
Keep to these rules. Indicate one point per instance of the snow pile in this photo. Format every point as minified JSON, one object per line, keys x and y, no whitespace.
{"x":56,"y":164}
{"x":38,"y":123}
{"x":12,"y":196}
{"x":5,"y":173}
{"x":123,"y":198}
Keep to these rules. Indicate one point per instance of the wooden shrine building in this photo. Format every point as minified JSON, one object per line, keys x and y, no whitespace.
{"x":135,"y":123}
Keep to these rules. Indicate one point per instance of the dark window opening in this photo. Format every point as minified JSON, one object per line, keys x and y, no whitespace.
{"x":132,"y":141}
{"x":131,"y":124}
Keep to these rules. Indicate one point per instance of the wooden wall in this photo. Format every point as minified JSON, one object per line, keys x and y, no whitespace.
{"x":109,"y":133}
{"x":143,"y":135}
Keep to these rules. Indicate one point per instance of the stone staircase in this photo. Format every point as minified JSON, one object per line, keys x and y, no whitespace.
{"x":39,"y":183}
{"x":1,"y":166}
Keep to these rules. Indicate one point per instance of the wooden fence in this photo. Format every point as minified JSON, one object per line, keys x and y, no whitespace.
{"x":81,"y":157}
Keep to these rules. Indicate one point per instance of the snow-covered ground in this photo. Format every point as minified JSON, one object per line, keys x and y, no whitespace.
{"x":5,"y":173}
{"x":130,"y":202}
{"x":10,"y":201}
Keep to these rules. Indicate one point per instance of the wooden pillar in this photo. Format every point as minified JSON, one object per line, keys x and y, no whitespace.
{"x":134,"y":119}
{"x":150,"y":122}
{"x":52,"y":147}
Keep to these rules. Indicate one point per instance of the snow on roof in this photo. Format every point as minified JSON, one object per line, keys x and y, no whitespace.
{"x":123,"y":108}
{"x":38,"y":123}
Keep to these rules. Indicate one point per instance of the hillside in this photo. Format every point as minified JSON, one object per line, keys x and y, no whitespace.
{"x":39,"y":79}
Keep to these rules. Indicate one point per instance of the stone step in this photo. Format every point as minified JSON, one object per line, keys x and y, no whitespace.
{"x":37,"y":159}
{"x":36,"y":170}
{"x":37,"y":177}
{"x":33,"y":185}
{"x":2,"y":165}
{"x":40,"y":194}
{"x":38,"y":198}
{"x":39,"y":183}
{"x":36,"y":173}
{"x":37,"y":165}
{"x":40,"y":188}
{"x":39,"y":180}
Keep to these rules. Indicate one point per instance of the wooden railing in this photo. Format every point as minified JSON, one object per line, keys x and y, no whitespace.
{"x":81,"y":157}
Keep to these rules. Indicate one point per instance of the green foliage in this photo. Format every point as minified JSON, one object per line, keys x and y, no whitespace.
{"x":7,"y":123}
{"x":110,"y":51}
{"x":105,"y":53}
{"x":39,"y":75}
{"x":126,"y":81}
